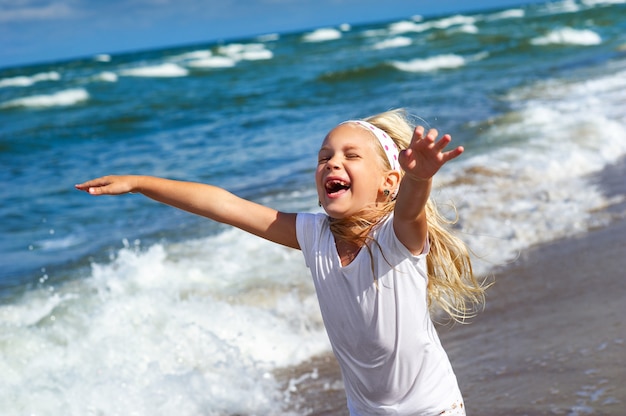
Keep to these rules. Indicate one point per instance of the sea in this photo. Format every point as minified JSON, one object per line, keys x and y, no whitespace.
{"x":124,"y":306}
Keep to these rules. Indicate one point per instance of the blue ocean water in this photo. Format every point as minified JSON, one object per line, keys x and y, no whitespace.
{"x":536,"y":95}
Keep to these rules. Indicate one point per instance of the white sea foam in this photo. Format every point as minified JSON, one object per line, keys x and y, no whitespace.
{"x":256,"y":55}
{"x":468,"y":28}
{"x":27,"y":81}
{"x":234,"y":49}
{"x":457,"y":20}
{"x":106,"y":76}
{"x":59,"y":99}
{"x":444,"y":23}
{"x":594,"y":3}
{"x":449,"y":61}
{"x":62,"y":243}
{"x":186,"y":329}
{"x":200,"y":54}
{"x":407,"y":27}
{"x":165,"y":70}
{"x":345,"y":27}
{"x":248,"y":51}
{"x":507,"y":14}
{"x":396,"y":42}
{"x":561,"y":133}
{"x":322,"y":35}
{"x":564,"y":6}
{"x":568,"y":36}
{"x":212,"y":62}
{"x":227,"y":56}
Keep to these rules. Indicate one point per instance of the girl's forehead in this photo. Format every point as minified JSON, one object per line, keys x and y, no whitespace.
{"x":348,"y":135}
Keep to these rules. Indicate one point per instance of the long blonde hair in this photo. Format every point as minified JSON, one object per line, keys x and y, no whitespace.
{"x":452,"y":285}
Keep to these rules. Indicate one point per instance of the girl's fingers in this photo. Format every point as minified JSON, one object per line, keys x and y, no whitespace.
{"x":426,"y":152}
{"x":418,"y":134}
{"x":99,"y":186}
{"x":430,"y":137}
{"x":453,"y":153}
{"x":442,"y":143}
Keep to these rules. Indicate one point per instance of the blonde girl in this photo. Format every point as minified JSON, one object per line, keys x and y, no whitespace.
{"x":380,"y":257}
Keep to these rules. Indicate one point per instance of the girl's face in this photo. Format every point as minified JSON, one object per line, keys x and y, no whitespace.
{"x":350,"y":174}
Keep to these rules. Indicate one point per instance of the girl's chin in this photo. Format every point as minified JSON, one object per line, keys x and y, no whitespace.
{"x":335,"y":213}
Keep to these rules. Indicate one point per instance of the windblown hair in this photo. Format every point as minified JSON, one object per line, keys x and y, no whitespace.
{"x":452,"y":285}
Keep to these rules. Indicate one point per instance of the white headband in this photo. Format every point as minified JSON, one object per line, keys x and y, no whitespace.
{"x":388,"y":145}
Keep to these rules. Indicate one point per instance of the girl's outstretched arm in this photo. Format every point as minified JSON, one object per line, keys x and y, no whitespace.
{"x":420,"y":161}
{"x":205,"y":200}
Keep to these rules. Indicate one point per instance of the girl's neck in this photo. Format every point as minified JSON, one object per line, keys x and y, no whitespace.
{"x":347,"y":250}
{"x":349,"y":238}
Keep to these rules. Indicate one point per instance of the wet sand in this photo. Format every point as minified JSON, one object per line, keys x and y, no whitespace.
{"x":551,"y":340}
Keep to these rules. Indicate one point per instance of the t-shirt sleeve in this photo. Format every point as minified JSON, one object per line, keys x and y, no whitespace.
{"x":307,"y":232}
{"x":388,"y":238}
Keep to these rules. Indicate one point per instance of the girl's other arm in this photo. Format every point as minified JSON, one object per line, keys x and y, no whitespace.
{"x":205,"y":200}
{"x":420,"y":161}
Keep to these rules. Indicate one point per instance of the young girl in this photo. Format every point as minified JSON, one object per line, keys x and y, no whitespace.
{"x":379,"y":257}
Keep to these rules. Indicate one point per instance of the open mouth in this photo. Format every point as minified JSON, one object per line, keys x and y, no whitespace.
{"x":335,"y":187}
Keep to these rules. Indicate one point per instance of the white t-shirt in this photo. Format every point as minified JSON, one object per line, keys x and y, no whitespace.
{"x":387,"y":347}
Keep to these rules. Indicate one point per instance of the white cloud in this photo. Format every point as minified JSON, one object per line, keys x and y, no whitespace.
{"x":25,"y":11}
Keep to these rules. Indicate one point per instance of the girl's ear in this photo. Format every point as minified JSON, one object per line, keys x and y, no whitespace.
{"x":391,"y":181}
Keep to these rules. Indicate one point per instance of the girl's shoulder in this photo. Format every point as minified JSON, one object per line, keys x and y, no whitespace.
{"x":311,"y":225}
{"x":312,"y":218}
{"x":385,"y":235}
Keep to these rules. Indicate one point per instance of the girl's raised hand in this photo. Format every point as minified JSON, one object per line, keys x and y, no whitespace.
{"x":108,"y":185}
{"x":425,"y":156}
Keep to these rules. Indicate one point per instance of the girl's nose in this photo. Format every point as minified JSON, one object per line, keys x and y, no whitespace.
{"x":332,"y":164}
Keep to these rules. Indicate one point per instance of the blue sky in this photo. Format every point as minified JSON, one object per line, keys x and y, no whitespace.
{"x":33,"y":31}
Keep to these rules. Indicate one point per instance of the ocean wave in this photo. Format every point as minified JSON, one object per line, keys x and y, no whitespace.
{"x":188,"y":319}
{"x":105,"y":76}
{"x":539,"y":185}
{"x":55,"y":244}
{"x":103,"y":57}
{"x":541,"y":158}
{"x":27,"y":81}
{"x":467,"y":28}
{"x":248,"y":51}
{"x":356,"y":74}
{"x":594,"y":3}
{"x":33,"y":312}
{"x":396,"y":42}
{"x":165,"y":70}
{"x":507,"y":14}
{"x":406,"y":26}
{"x":568,"y":36}
{"x":600,"y":94}
{"x":59,"y":99}
{"x":204,"y":59}
{"x":322,"y":35}
{"x":558,"y":7}
{"x":435,"y":63}
{"x":199,"y":54}
{"x":213,"y":62}
{"x":227,"y":56}
{"x":270,"y":37}
{"x":456,"y":20}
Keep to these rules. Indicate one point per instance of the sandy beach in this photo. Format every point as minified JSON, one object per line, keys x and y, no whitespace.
{"x":551,"y":340}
